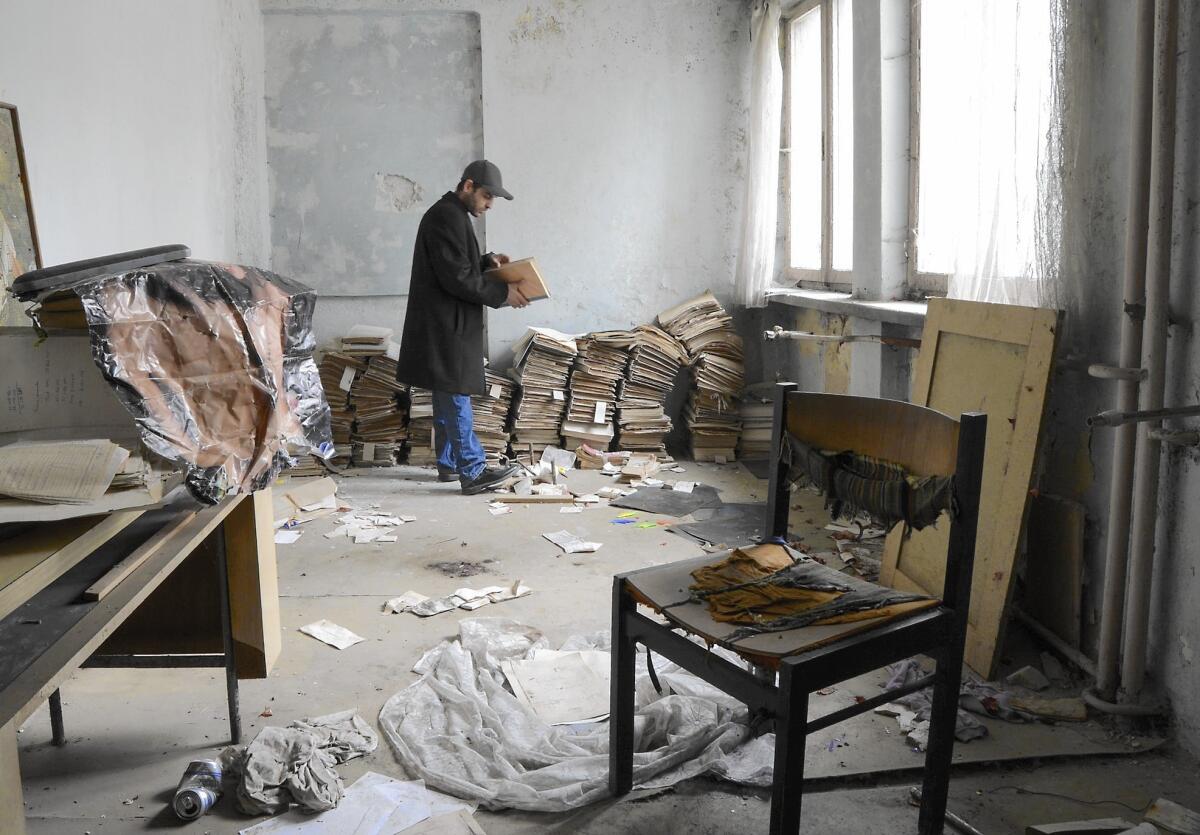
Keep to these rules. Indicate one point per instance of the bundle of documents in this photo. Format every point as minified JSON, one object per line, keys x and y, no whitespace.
{"x":757,"y":413}
{"x":543,"y":368}
{"x":718,"y":375}
{"x":420,"y":427}
{"x":74,"y":472}
{"x":62,"y":309}
{"x":365,"y":340}
{"x":380,"y":418}
{"x":654,"y":362}
{"x":338,"y":372}
{"x":598,"y":371}
{"x":45,"y":481}
{"x":491,"y":415}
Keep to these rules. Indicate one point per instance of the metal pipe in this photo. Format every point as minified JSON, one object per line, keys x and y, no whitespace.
{"x":1154,"y":351}
{"x":1113,"y":372}
{"x":1092,"y":698}
{"x":778,"y":332}
{"x":1058,"y":644}
{"x":1182,"y":437}
{"x":1117,"y":418}
{"x":1121,"y":482}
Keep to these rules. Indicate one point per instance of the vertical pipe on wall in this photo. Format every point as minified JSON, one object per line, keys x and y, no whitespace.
{"x":1154,"y":349}
{"x":1134,"y":297}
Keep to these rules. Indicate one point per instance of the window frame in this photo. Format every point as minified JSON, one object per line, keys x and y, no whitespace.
{"x":824,"y":278}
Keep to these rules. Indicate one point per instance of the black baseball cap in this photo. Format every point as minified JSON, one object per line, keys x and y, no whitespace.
{"x":486,"y":174}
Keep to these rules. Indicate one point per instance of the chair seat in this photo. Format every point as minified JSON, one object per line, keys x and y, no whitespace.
{"x":662,"y":588}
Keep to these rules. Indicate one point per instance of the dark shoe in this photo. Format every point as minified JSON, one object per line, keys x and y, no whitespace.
{"x":447,"y":475}
{"x":488,"y":479}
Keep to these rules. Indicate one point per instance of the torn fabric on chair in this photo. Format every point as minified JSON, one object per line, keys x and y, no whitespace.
{"x":854,"y":483}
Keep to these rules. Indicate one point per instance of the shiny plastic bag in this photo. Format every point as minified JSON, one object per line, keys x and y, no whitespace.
{"x":214,"y":362}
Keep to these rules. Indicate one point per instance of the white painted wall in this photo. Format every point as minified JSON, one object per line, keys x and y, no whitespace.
{"x":619,"y":126}
{"x":143,"y":124}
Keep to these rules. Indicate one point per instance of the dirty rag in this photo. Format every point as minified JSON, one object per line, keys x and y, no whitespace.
{"x":296,"y":764}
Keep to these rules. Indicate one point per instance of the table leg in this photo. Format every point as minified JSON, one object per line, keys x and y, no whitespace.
{"x":231,"y":680}
{"x":12,"y":806}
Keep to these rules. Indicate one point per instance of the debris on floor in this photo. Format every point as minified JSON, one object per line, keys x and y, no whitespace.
{"x":1099,"y":826}
{"x":374,"y":803}
{"x":330,"y":633}
{"x":286,"y":537}
{"x":462,"y":568}
{"x":562,"y":688}
{"x":503,"y":755}
{"x":572,"y":544}
{"x":464,"y":598}
{"x":282,"y":766}
{"x":1169,"y":815}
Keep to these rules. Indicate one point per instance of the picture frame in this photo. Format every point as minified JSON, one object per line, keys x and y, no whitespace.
{"x":20,"y":249}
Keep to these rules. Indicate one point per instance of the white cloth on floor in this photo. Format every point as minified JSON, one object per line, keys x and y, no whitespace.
{"x":296,"y":763}
{"x":462,"y":732}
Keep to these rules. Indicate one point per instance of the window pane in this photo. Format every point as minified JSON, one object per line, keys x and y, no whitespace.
{"x":804,"y":132}
{"x":983,"y":114}
{"x":842,"y":82}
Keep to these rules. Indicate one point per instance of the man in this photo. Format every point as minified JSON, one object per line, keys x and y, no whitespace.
{"x":442,"y":347}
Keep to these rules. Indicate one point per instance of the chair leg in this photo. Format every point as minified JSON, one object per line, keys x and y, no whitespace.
{"x":621,"y":692}
{"x":942,"y":721}
{"x":791,"y":728}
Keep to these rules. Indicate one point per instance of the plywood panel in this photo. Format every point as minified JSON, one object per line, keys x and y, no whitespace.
{"x":12,"y":807}
{"x":253,"y":585}
{"x":1054,"y":566}
{"x":994,"y":359}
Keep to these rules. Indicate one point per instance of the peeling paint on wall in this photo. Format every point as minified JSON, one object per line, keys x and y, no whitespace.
{"x":397,"y":193}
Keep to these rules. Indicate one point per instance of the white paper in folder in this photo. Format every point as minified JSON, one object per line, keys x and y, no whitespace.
{"x":70,"y":471}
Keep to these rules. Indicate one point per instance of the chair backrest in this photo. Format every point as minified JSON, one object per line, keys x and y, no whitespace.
{"x":923,"y":441}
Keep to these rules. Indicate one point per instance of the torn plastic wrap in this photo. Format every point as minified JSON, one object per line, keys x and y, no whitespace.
{"x":214,"y":362}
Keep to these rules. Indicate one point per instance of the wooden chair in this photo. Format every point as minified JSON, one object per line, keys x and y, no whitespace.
{"x":794,"y":663}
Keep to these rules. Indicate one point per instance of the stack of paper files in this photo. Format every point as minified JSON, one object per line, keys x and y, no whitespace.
{"x":718,"y":375}
{"x":380,"y":418}
{"x":420,"y":427}
{"x":654,"y":362}
{"x":757,"y":413}
{"x":543,"y":368}
{"x":338,"y":372}
{"x":598,"y":372}
{"x":491,"y":415}
{"x":365,"y":340}
{"x":74,"y":472}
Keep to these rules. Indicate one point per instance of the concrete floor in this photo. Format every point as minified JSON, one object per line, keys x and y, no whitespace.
{"x":131,"y":733}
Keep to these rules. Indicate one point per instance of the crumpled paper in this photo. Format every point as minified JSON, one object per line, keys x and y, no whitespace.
{"x":295,"y":764}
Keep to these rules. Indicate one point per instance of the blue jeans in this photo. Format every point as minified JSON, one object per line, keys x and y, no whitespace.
{"x":458,"y":450}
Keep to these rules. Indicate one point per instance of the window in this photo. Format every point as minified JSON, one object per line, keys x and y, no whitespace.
{"x":818,"y":114}
{"x":983,"y":125}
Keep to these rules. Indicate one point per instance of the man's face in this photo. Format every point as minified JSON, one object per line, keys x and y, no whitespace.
{"x":478,"y":199}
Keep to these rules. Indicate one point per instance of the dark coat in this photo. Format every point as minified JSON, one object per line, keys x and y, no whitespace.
{"x":442,"y":347}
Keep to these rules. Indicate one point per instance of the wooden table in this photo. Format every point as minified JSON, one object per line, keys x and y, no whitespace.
{"x":207,"y":597}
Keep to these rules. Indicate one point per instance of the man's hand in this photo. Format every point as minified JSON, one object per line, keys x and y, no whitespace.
{"x":499,"y":259}
{"x":515,"y":299}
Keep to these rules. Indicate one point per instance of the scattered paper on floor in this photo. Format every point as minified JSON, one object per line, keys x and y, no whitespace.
{"x":562,"y":688}
{"x":404,"y":602}
{"x":286,"y":537}
{"x":331,"y":633}
{"x":570,"y":543}
{"x":375,"y":804}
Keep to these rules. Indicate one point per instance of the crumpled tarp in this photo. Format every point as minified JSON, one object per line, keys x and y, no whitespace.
{"x":296,"y":764}
{"x":462,"y":732}
{"x":214,"y":362}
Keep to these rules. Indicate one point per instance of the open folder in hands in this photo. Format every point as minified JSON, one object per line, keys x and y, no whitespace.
{"x":524,"y":274}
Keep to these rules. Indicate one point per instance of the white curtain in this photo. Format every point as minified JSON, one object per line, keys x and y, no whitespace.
{"x":756,"y":255}
{"x":989,"y":212}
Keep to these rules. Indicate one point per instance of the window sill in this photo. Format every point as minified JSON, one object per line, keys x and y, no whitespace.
{"x":910,"y":314}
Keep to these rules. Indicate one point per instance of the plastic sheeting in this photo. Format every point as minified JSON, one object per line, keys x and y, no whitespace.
{"x":462,"y":732}
{"x":214,"y":362}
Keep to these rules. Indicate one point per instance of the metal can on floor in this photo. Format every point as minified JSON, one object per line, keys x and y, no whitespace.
{"x":198,"y":790}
